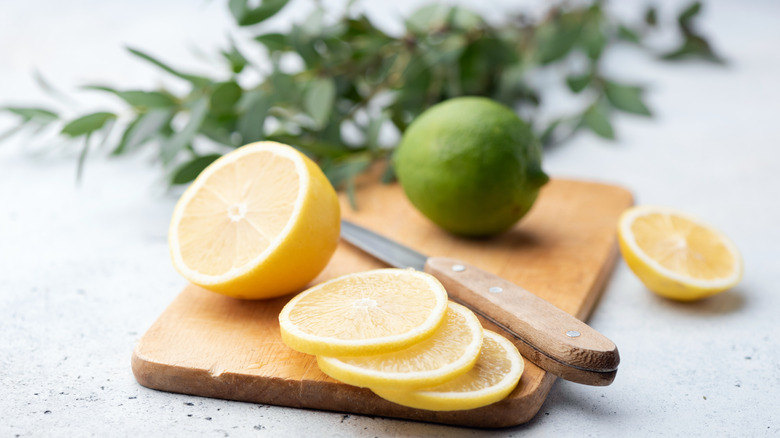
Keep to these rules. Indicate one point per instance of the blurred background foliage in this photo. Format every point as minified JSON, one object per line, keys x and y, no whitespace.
{"x":343,"y":91}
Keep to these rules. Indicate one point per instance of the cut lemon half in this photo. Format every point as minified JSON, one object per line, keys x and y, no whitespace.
{"x":368,"y":312}
{"x":495,"y":375}
{"x":676,"y":255}
{"x":259,"y":222}
{"x":451,"y":351}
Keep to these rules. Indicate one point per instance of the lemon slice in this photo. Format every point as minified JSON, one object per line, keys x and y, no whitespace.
{"x":448,"y":353}
{"x":364,"y":313}
{"x":259,"y":222}
{"x":676,"y":255}
{"x":496,"y":373}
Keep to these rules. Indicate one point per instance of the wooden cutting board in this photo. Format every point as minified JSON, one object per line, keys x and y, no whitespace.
{"x":214,"y":346}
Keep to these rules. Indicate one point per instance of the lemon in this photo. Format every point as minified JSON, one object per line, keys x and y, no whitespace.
{"x":259,"y":222}
{"x":448,"y":353}
{"x":470,"y":165}
{"x":676,"y":255}
{"x":364,"y":313}
{"x":494,"y":376}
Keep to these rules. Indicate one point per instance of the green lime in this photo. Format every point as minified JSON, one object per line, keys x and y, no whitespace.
{"x":470,"y":165}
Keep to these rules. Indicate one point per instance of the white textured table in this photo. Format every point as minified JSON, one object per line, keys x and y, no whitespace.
{"x":85,"y":270}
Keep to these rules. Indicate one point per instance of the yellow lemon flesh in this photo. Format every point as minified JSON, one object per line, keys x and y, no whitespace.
{"x":450,"y":352}
{"x":259,"y":222}
{"x":364,"y":313}
{"x":494,"y":376}
{"x":677,"y":256}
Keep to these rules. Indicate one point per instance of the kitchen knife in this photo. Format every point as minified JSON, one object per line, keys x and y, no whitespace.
{"x":544,"y":334}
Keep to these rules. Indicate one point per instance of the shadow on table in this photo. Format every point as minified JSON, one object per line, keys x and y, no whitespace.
{"x":725,"y":303}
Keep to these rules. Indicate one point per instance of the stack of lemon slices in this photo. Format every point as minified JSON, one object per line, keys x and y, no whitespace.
{"x":394,"y":331}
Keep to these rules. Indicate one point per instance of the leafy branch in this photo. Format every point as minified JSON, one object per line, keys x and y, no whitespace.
{"x":357,"y":88}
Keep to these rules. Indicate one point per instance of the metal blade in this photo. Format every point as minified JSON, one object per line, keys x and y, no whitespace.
{"x":390,"y":252}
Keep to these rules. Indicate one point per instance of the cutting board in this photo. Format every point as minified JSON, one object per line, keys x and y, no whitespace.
{"x":214,"y":346}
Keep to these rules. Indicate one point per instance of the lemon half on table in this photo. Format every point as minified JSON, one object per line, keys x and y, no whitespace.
{"x":677,"y":255}
{"x":259,"y":222}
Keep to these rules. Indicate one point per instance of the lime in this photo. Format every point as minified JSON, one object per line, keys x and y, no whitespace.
{"x":470,"y":165}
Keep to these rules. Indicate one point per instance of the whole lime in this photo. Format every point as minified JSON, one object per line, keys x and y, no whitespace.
{"x":470,"y":165}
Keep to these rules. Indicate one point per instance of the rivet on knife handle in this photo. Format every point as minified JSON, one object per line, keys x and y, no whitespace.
{"x":544,"y":334}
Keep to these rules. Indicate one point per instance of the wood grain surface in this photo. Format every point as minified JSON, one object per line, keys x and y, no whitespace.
{"x":214,"y":346}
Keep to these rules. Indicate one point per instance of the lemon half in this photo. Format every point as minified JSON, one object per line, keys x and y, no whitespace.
{"x":677,"y":255}
{"x":259,"y":222}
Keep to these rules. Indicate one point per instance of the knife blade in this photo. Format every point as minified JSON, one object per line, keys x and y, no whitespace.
{"x":544,"y":334}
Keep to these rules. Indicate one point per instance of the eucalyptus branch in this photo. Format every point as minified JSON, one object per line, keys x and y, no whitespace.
{"x":348,"y":63}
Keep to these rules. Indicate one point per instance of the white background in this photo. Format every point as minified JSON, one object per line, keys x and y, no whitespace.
{"x":84,"y":270}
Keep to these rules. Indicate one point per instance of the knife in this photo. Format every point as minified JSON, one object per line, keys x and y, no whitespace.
{"x":544,"y":334}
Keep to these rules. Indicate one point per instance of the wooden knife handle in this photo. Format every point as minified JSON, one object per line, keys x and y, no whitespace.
{"x":544,"y":334}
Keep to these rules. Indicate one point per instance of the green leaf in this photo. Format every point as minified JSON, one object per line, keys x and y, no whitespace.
{"x":318,"y":100}
{"x":547,"y":136}
{"x":235,"y":58}
{"x":303,"y":44}
{"x":247,"y":15}
{"x":427,"y":18}
{"x":194,"y":79}
{"x":343,"y":174}
{"x":463,"y":19}
{"x":325,"y":150}
{"x":87,"y":124}
{"x":651,"y":16}
{"x":29,"y":113}
{"x":687,"y":15}
{"x":145,"y":127}
{"x":220,"y":129}
{"x":595,"y":118}
{"x":388,"y":175}
{"x":481,"y":62}
{"x":139,"y":98}
{"x":170,"y":148}
{"x":251,"y":122}
{"x":374,"y":129}
{"x":273,"y":41}
{"x":284,"y":88}
{"x":224,"y":97}
{"x":107,"y":132}
{"x":191,"y":169}
{"x":627,"y":34}
{"x":556,"y":40}
{"x":339,"y":172}
{"x":694,"y":47}
{"x":626,"y":98}
{"x":593,"y":39}
{"x":578,"y":83}
{"x":437,"y":17}
{"x":82,"y":158}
